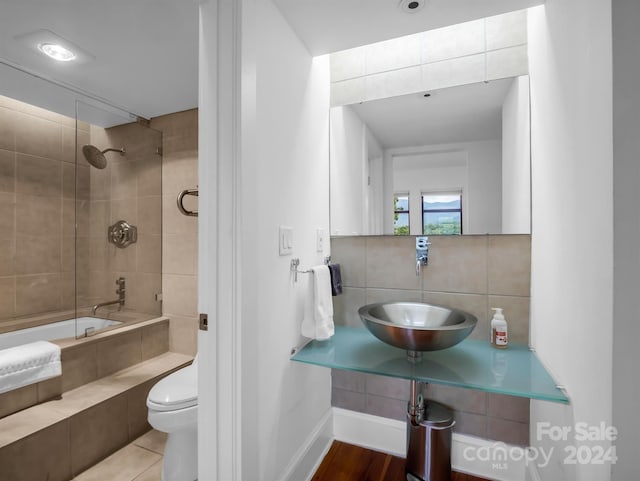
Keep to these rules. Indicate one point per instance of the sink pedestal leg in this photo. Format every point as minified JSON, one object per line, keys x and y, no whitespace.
{"x":429,"y":427}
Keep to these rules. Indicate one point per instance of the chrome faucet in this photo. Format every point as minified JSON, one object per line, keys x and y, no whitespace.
{"x":422,"y":252}
{"x":120,"y":282}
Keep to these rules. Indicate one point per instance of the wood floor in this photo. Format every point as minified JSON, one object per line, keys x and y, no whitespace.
{"x":345,"y":462}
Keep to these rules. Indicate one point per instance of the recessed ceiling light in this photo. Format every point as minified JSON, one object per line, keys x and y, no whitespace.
{"x":57,"y":52}
{"x":54,"y":46}
{"x":411,"y":6}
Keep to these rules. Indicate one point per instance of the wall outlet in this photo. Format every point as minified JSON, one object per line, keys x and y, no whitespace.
{"x":285,"y":240}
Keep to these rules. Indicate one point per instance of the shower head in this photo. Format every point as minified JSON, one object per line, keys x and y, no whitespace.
{"x":96,"y":157}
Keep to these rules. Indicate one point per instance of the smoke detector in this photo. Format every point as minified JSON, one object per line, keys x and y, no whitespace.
{"x":411,"y":6}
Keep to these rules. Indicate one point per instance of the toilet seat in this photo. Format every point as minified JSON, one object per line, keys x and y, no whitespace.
{"x":178,"y":390}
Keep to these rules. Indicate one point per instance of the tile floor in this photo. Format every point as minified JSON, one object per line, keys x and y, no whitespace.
{"x":140,"y":460}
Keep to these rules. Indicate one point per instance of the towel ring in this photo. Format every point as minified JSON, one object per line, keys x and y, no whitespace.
{"x":180,"y":200}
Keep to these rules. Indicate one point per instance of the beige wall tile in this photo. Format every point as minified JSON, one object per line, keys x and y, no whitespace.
{"x":147,"y":286}
{"x":386,"y":407}
{"x":391,"y":263}
{"x":7,"y":129}
{"x":387,"y":387}
{"x":7,"y":257}
{"x":98,"y":432}
{"x":100,"y":183}
{"x":354,"y":401}
{"x":149,"y":254}
{"x":137,"y":409}
{"x":183,"y":335}
{"x":173,"y":222}
{"x":347,"y":64}
{"x":508,"y":407}
{"x":7,"y":297}
{"x":149,"y":175}
{"x":18,"y":399}
{"x":392,"y":54}
{"x":459,"y":399}
{"x":49,"y":389}
{"x":38,"y":176}
{"x":510,"y":432}
{"x":123,"y":259}
{"x":388,"y":295}
{"x":124,"y":209}
{"x":7,"y":170}
{"x":118,"y":352}
{"x":350,"y":253}
{"x":509,"y":265}
{"x":507,"y":62}
{"x":80,"y":366}
{"x":180,"y":254}
{"x":180,"y":171}
{"x":345,"y":307}
{"x":349,"y":380}
{"x":179,"y":131}
{"x":180,"y":295}
{"x":38,"y":215}
{"x":39,"y":293}
{"x":37,"y":136}
{"x":454,"y":41}
{"x":38,"y":255}
{"x":396,"y":82}
{"x":348,"y":92}
{"x":68,"y":180}
{"x":506,"y":30}
{"x":100,"y":217}
{"x":43,"y":456}
{"x":475,"y":304}
{"x":155,"y":340}
{"x":516,"y":312}
{"x":456,"y":264}
{"x":150,"y":215}
{"x":123,"y":180}
{"x":470,"y":423}
{"x":7,"y":215}
{"x":457,"y":71}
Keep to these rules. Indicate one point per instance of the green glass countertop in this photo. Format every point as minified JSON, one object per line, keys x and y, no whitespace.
{"x":473,"y":364}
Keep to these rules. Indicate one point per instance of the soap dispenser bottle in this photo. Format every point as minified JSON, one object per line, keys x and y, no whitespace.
{"x":499,"y":336}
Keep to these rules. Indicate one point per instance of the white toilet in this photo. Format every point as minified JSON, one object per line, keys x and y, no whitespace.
{"x":173,"y":409}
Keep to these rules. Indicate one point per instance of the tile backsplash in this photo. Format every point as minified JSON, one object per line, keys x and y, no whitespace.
{"x":472,"y":273}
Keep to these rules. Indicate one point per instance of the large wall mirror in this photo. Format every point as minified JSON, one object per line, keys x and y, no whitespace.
{"x":450,"y":161}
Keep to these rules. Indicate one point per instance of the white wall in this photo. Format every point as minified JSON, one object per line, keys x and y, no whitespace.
{"x":626,"y":170}
{"x":291,"y":174}
{"x":348,"y":172}
{"x":572,"y":242}
{"x":481,"y":189}
{"x":516,"y":159}
{"x":264,"y":143}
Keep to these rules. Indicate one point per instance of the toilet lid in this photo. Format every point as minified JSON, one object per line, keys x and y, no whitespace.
{"x":176,"y":391}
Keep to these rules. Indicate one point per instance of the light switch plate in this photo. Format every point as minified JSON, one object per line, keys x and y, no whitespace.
{"x":285,"y":240}
{"x":320,"y":240}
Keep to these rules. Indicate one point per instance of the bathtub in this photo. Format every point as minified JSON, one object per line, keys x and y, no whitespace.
{"x":55,"y":330}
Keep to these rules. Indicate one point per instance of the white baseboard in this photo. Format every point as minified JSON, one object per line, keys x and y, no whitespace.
{"x":308,"y":458}
{"x":471,"y":455}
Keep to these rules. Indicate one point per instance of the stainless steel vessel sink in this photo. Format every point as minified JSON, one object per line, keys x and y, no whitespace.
{"x":416,"y":326}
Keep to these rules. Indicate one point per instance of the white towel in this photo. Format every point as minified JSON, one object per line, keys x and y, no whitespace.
{"x":28,"y":364}
{"x":318,"y":314}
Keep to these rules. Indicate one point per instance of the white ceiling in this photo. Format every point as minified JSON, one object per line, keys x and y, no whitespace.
{"x":457,"y":114}
{"x":146,"y":51}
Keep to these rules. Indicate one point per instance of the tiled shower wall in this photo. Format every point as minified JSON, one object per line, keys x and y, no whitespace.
{"x":180,"y":233}
{"x":37,"y":177}
{"x":129,"y":189}
{"x":472,"y":273}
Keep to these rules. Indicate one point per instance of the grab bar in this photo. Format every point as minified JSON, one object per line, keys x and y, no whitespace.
{"x":181,"y":208}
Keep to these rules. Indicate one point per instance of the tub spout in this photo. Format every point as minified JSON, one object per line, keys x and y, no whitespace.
{"x":108,"y":303}
{"x":120,"y":282}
